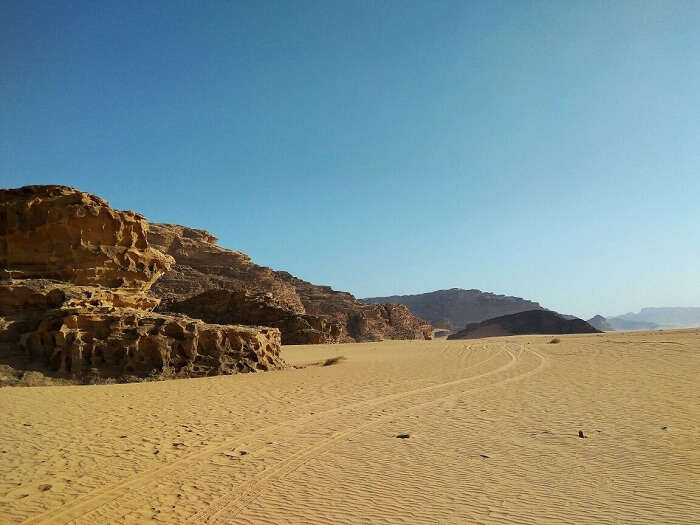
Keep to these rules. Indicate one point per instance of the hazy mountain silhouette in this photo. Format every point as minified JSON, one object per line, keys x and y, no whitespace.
{"x":601,"y":323}
{"x":622,"y":324}
{"x":664,"y":317}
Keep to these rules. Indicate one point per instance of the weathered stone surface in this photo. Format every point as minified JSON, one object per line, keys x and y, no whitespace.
{"x":304,"y":312}
{"x":227,"y":307}
{"x":122,"y":342}
{"x":22,"y":295}
{"x":201,"y":265}
{"x":75,"y":300}
{"x":56,"y":232}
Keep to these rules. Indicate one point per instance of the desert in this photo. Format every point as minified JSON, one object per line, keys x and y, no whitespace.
{"x":349,"y":262}
{"x":492,"y":428}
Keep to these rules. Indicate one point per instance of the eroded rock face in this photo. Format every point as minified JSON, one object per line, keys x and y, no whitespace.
{"x":75,"y":300}
{"x":55,"y":232}
{"x":23,"y":295}
{"x":220,"y":285}
{"x":225,"y":307}
{"x":201,"y":265}
{"x":120,"y":342}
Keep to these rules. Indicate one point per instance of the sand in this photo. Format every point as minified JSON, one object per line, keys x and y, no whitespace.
{"x":493,"y":427}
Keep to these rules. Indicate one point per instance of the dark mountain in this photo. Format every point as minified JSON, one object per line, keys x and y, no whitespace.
{"x":522,"y":323}
{"x":669,"y":317}
{"x":601,"y":323}
{"x":454,"y":308}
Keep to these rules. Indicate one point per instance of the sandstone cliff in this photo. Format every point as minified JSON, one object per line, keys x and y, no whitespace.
{"x":75,"y":300}
{"x":220,"y":285}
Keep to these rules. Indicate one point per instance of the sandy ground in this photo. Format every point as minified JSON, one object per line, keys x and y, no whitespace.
{"x":493,"y":427}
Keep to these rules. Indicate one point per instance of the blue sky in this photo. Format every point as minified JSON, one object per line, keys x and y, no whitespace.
{"x":549,"y":150}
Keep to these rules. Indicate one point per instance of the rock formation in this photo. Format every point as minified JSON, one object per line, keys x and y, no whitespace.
{"x":522,"y":323}
{"x":601,"y":323}
{"x":225,"y":307}
{"x":54,"y":232}
{"x":220,"y":285}
{"x":454,"y":308}
{"x":75,"y":277}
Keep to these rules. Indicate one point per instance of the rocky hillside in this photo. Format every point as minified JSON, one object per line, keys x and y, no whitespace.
{"x":522,"y":323}
{"x":75,"y":301}
{"x":601,"y":323}
{"x":454,"y":308}
{"x":224,"y":286}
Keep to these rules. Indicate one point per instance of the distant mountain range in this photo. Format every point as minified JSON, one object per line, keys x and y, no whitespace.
{"x":622,"y":324}
{"x":600,"y":323}
{"x":522,"y":323}
{"x":453,"y":309}
{"x":654,"y":317}
{"x":650,"y":319}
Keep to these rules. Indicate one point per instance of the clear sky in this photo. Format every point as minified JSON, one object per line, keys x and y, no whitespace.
{"x":549,"y":150}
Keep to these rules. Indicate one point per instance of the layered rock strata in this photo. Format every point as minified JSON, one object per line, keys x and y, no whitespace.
{"x":224,"y":306}
{"x":221,"y":285}
{"x":75,"y":300}
{"x":55,"y":232}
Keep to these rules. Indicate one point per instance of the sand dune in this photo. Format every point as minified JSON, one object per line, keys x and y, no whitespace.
{"x":493,"y":428}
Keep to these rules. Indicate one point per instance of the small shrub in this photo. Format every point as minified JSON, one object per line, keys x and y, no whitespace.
{"x":33,"y":378}
{"x":334,"y":360}
{"x":555,"y":341}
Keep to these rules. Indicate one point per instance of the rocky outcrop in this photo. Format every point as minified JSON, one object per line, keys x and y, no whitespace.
{"x":114,"y":343}
{"x":201,"y":265}
{"x":225,"y":307}
{"x":75,"y":277}
{"x":220,"y":285}
{"x":55,"y":232}
{"x":600,"y":323}
{"x":523,"y":323}
{"x":454,"y":308}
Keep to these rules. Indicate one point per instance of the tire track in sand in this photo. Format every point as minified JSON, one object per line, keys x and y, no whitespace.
{"x":253,"y":488}
{"x":91,"y":501}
